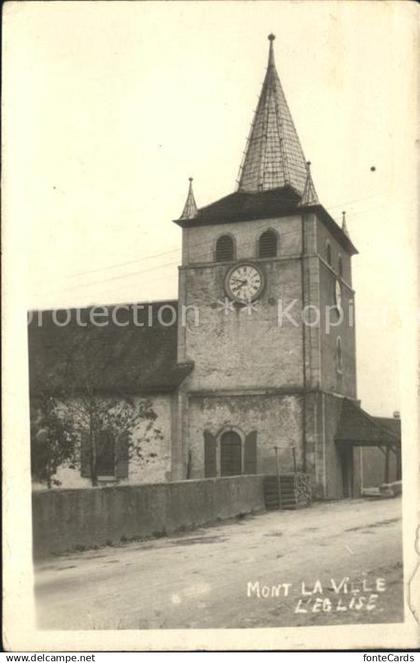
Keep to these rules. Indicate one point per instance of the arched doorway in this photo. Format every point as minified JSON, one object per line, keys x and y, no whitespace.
{"x":230,"y":454}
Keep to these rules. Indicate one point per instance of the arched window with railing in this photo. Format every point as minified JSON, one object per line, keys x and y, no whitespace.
{"x":225,"y":248}
{"x":267,"y":244}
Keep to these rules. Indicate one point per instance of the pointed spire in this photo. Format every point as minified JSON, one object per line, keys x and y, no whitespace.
{"x":344,"y":225}
{"x":190,"y":207}
{"x":309,"y":196}
{"x":273,"y":155}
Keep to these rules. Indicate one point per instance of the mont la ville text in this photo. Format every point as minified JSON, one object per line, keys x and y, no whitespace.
{"x":338,"y":595}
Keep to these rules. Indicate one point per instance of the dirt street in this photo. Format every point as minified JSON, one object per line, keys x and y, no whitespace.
{"x":333,"y":563}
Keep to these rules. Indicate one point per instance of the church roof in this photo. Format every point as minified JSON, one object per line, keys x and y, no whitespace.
{"x":240,"y":205}
{"x":113,"y":358}
{"x":393,"y":424}
{"x":273,"y":155}
{"x":358,"y":428}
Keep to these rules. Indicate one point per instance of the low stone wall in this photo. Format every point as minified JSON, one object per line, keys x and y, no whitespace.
{"x":65,"y":520}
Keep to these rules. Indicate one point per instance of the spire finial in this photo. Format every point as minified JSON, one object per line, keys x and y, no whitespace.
{"x":190,"y":207}
{"x":271,"y":38}
{"x":309,"y":196}
{"x":344,"y":224}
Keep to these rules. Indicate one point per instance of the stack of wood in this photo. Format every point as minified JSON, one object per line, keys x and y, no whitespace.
{"x":287,"y":491}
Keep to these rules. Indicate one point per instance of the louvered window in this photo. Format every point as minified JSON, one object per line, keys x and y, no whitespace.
{"x":267,"y":245}
{"x":224,"y":249}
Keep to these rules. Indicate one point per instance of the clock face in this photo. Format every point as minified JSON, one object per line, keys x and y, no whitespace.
{"x":244,"y":283}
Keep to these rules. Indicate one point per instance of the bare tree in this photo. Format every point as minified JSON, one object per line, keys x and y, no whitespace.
{"x":53,"y":441}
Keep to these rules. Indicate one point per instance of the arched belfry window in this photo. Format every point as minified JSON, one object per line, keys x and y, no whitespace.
{"x":340,"y":266}
{"x":329,"y":255}
{"x":267,"y":244}
{"x":225,"y":248}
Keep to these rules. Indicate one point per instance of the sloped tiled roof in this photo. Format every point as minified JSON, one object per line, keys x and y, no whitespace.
{"x":239,"y":205}
{"x":393,"y":424}
{"x":358,"y":428}
{"x":110,"y":358}
{"x":273,"y":155}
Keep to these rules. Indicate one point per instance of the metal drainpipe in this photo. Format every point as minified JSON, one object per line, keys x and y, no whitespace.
{"x":302,"y":270}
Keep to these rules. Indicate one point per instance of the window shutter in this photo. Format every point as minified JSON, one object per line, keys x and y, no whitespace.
{"x":85,"y":452}
{"x":224,"y":248}
{"x":268,"y":244}
{"x":210,"y":466}
{"x":121,"y":470}
{"x":250,"y":461}
{"x":106,"y":454}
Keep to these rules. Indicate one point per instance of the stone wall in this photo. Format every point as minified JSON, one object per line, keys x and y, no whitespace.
{"x":65,"y":520}
{"x":276,"y":418}
{"x":333,"y":380}
{"x":227,"y":346}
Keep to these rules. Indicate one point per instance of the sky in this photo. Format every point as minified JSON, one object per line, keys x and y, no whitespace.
{"x":111,"y":106}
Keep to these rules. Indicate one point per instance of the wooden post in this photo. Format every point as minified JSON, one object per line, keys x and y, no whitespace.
{"x":386,"y":480}
{"x":398,"y":463}
{"x":276,"y":449}
{"x":294,"y":460}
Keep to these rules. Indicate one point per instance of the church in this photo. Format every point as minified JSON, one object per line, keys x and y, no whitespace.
{"x":253,"y":368}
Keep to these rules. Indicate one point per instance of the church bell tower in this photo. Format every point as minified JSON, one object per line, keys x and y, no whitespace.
{"x":265,"y":308}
